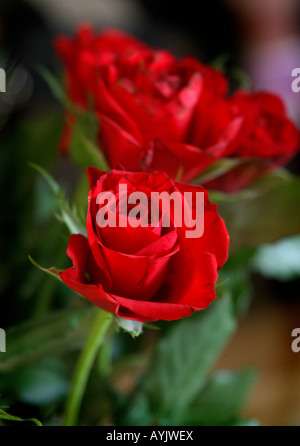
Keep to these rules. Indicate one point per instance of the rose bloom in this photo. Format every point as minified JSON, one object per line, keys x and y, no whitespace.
{"x":146,"y":273}
{"x":269,"y":139}
{"x":155,"y":112}
{"x":158,"y":113}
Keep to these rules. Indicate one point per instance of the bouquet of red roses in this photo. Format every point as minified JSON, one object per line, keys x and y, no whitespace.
{"x":179,"y":181}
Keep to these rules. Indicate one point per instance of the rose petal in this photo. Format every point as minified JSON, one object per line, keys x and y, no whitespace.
{"x":177,"y":158}
{"x":75,"y":277}
{"x":121,"y":149}
{"x":180,"y":297}
{"x":215,"y":238}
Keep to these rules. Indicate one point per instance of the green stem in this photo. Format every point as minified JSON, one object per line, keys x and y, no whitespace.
{"x":100,"y":325}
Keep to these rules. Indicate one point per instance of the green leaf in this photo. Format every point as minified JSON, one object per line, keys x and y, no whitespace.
{"x":179,"y":173}
{"x":280,"y":261}
{"x":272,"y":213}
{"x":247,"y":423}
{"x":220,"y":168}
{"x":53,"y":271}
{"x":241,"y":77}
{"x":70,"y":217}
{"x":42,"y":383}
{"x":68,"y":214}
{"x":54,"y":333}
{"x":220,"y":62}
{"x":221,"y":197}
{"x":54,"y":186}
{"x":233,"y":72}
{"x":221,"y":400}
{"x":239,"y":286}
{"x":57,"y":88}
{"x":139,"y":412}
{"x":6,"y":416}
{"x":84,"y":151}
{"x":234,"y":278}
{"x":182,"y":361}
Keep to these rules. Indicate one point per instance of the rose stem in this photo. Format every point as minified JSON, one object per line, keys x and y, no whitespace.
{"x":84,"y":365}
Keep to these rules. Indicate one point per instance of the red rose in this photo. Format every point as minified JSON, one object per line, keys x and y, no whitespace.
{"x":151,"y":272}
{"x":269,"y":134}
{"x":84,"y":57}
{"x":269,"y":139}
{"x":155,"y":112}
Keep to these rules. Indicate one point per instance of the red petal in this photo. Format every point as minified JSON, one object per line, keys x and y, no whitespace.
{"x":121,"y":149}
{"x":75,"y":277}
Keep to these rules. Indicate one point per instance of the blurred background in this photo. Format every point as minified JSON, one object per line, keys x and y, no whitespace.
{"x":261,"y":37}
